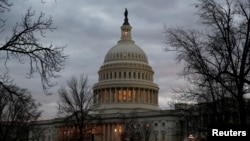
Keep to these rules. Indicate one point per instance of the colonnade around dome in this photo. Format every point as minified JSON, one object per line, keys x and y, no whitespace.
{"x":126,"y":95}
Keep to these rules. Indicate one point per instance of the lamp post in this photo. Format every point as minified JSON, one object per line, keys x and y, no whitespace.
{"x":93,"y":134}
{"x":191,"y":137}
{"x":118,"y":132}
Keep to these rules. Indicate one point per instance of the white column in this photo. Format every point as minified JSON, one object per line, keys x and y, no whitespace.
{"x":127,"y":94}
{"x":156,"y":96}
{"x":112,"y":132}
{"x":144,"y":96}
{"x":116,"y":95}
{"x":152,"y":96}
{"x":132,"y":94}
{"x":108,"y":135}
{"x":139,"y":95}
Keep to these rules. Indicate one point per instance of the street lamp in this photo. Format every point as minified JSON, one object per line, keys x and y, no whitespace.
{"x":118,"y":132}
{"x":191,"y":137}
{"x":93,"y":134}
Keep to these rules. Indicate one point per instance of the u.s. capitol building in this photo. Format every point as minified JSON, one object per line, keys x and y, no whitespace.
{"x":125,"y":100}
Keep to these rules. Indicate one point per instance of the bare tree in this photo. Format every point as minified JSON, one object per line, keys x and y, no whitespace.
{"x":16,"y":112}
{"x":131,"y":131}
{"x":217,"y":61}
{"x":135,"y":129}
{"x":75,"y":103}
{"x":24,"y":45}
{"x":146,"y":129}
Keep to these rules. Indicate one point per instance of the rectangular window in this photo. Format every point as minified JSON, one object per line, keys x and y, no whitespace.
{"x":129,"y":95}
{"x":120,"y":95}
{"x":124,"y":95}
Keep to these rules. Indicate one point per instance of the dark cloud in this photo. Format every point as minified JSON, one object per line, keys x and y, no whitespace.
{"x":91,"y":28}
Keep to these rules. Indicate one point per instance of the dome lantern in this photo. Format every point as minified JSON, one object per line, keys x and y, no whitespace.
{"x":126,"y":28}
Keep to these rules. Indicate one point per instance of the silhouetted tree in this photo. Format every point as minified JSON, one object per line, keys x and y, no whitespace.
{"x":146,"y":130}
{"x":135,"y":129}
{"x":131,"y":131}
{"x":217,"y":60}
{"x":75,"y":103}
{"x":16,"y":112}
{"x":24,"y":45}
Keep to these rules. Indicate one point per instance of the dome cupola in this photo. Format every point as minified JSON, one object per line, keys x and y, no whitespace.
{"x":125,"y":78}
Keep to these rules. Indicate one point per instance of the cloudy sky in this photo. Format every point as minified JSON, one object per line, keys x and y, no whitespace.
{"x":90,"y":28}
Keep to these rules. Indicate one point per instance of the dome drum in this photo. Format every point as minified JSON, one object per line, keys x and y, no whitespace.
{"x":126,"y":65}
{"x":126,"y":95}
{"x":125,"y":75}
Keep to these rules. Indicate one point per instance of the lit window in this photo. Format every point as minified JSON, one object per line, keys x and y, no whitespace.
{"x":124,"y":95}
{"x":120,"y":95}
{"x":129,"y":95}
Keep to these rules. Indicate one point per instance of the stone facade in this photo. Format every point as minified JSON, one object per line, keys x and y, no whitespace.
{"x":162,"y":125}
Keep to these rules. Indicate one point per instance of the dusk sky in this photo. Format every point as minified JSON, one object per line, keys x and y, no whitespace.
{"x":90,"y":28}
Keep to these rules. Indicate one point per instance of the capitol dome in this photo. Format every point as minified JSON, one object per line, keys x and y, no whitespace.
{"x":125,"y":78}
{"x":125,"y":50}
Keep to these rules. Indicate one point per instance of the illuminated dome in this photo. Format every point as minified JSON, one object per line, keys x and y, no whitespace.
{"x":125,"y":78}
